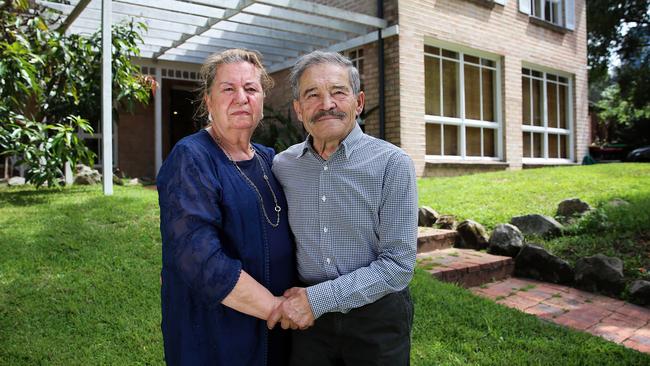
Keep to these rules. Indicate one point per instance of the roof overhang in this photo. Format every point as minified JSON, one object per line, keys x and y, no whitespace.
{"x":190,"y":30}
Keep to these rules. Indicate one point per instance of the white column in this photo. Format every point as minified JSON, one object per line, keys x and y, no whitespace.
{"x":107,"y":115}
{"x":158,"y":119}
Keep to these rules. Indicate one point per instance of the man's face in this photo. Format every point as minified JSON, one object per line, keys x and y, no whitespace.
{"x":326,"y":104}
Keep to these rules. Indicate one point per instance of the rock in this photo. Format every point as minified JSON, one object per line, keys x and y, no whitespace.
{"x":572,"y":207}
{"x":506,"y":240}
{"x":447,"y":222}
{"x":86,"y":175}
{"x":133,"y":182}
{"x":535,"y":262}
{"x":617,"y":202}
{"x":117,"y":180}
{"x":16,"y":181}
{"x":537,"y":225}
{"x":640,"y":292}
{"x":600,"y":273}
{"x":427,"y":216}
{"x":472,"y":235}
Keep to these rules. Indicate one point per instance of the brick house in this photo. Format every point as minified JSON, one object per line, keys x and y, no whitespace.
{"x":468,"y":85}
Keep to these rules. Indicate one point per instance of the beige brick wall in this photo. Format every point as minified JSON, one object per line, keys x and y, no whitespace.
{"x":502,"y":31}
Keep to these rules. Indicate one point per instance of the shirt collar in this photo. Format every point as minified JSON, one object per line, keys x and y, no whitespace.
{"x":348,"y":144}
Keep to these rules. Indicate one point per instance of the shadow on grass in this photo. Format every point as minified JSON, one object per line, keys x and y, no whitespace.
{"x":35,"y":196}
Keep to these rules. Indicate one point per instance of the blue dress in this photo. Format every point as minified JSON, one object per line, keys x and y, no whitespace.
{"x":213,"y":227}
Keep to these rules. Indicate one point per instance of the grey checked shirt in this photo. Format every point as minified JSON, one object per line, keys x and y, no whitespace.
{"x":354,"y":217}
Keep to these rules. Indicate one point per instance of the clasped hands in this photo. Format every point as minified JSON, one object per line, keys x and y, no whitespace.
{"x":292,"y":310}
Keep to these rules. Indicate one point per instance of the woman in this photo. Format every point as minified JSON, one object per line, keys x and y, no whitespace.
{"x":227,"y":253}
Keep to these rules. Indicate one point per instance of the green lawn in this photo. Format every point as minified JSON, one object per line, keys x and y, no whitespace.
{"x":79,"y":285}
{"x":493,"y":198}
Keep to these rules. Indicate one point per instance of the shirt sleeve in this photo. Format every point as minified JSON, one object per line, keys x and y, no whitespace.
{"x":393,"y":269}
{"x":190,"y":216}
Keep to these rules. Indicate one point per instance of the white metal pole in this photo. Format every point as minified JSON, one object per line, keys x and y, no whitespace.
{"x":158,"y":120}
{"x":107,"y":115}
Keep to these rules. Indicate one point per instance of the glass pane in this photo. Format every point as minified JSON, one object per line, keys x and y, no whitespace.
{"x":537,"y":8}
{"x":360,"y":52}
{"x":433,"y":50}
{"x":551,"y":93}
{"x":537,"y":145}
{"x":564,"y":154}
{"x":553,"y":146}
{"x":526,"y":144}
{"x":486,"y":62}
{"x":450,"y":88}
{"x":551,"y":77}
{"x":536,"y":73}
{"x":432,"y":86}
{"x":525,"y":71}
{"x":472,"y":92}
{"x":563,"y":106}
{"x":525,"y":92}
{"x":432,"y":139}
{"x":472,"y":59}
{"x":94,"y":146}
{"x":450,"y":54}
{"x":489,"y":142}
{"x":537,"y":102}
{"x":473,"y":140}
{"x":563,"y":79}
{"x":451,"y":140}
{"x":488,"y":95}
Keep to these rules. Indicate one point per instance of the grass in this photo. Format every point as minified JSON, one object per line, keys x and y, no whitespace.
{"x":79,"y":284}
{"x":79,"y":277}
{"x":494,"y":198}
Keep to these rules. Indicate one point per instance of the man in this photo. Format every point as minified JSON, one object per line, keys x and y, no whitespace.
{"x":353,"y":210}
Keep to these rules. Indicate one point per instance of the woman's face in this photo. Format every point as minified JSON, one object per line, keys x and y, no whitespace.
{"x":236,"y":97}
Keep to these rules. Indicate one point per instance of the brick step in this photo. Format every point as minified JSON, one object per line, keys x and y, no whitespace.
{"x":433,"y":239}
{"x":465,"y":267}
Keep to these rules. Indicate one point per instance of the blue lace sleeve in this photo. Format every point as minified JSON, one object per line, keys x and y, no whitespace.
{"x":190,"y":219}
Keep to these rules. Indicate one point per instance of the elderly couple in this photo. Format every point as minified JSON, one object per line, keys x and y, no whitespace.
{"x":319,"y":239}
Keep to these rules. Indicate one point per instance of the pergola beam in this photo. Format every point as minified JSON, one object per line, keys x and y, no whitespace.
{"x":328,"y":11}
{"x":78,"y":9}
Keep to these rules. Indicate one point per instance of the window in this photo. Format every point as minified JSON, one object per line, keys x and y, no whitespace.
{"x":94,"y":142}
{"x":556,"y":12}
{"x":356,"y":56}
{"x":461,"y":105}
{"x":546,"y":117}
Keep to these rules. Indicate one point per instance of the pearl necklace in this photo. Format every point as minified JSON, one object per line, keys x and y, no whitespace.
{"x":250,"y":182}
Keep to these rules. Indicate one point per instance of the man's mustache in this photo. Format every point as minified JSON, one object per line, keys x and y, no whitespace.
{"x":333,"y":113}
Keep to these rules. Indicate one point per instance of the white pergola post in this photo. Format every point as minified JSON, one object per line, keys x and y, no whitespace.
{"x":158,"y":120}
{"x":107,"y":112}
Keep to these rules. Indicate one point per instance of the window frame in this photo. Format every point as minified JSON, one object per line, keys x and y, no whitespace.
{"x":544,"y":129}
{"x":462,"y":122}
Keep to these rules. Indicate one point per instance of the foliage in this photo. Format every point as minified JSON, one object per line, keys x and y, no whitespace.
{"x":83,"y":288}
{"x":620,"y":30}
{"x":278,"y":131}
{"x":623,"y":120}
{"x":494,"y":198}
{"x":44,"y":148}
{"x":615,"y":27}
{"x":51,"y":82}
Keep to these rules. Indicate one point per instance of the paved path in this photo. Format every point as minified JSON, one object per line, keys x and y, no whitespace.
{"x":612,"y":319}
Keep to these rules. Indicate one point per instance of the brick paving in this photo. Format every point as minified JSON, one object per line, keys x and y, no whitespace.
{"x":611,"y":319}
{"x":465,"y":267}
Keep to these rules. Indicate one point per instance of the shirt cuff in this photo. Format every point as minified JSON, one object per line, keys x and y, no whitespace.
{"x":321,"y":298}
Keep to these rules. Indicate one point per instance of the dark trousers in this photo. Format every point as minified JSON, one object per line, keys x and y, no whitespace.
{"x":375,"y":334}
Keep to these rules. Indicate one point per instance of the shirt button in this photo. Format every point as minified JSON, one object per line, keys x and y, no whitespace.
{"x":327,"y":260}
{"x":325,"y":167}
{"x":324,"y":198}
{"x":325,"y":229}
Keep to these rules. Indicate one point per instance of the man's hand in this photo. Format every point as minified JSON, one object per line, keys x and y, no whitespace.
{"x":295,"y":312}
